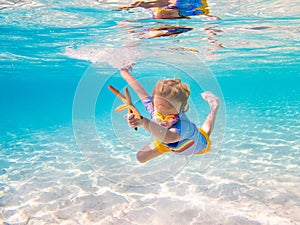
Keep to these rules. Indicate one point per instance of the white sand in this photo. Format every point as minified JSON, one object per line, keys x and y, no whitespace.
{"x":46,"y":181}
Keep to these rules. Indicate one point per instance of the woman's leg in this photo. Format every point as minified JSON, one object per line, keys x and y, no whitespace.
{"x":213,"y":102}
{"x":147,"y":153}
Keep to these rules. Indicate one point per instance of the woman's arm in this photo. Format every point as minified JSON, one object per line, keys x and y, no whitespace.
{"x":165,"y":13}
{"x":136,"y":86}
{"x":147,"y":4}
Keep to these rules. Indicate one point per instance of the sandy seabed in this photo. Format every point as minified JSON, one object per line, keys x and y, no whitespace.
{"x":45,"y":179}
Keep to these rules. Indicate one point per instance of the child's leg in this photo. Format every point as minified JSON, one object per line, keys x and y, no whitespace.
{"x":213,"y":102}
{"x":147,"y":153}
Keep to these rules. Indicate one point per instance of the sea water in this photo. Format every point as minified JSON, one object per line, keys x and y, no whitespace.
{"x":68,"y":158}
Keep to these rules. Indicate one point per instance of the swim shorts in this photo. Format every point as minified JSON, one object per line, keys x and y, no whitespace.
{"x":163,"y":148}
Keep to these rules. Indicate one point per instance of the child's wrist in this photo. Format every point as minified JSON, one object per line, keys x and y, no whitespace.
{"x":142,"y":121}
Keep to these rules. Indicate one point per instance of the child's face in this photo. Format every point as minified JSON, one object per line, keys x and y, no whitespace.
{"x":166,"y":111}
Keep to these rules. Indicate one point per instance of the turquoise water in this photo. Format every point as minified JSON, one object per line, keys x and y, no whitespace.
{"x":67,"y":158}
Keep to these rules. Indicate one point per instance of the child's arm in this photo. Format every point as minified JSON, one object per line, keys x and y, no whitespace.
{"x":136,"y":86}
{"x":161,"y":133}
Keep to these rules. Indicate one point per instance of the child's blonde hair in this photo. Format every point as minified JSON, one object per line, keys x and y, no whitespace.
{"x":173,"y":89}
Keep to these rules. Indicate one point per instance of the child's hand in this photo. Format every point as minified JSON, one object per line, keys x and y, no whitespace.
{"x":128,"y":67}
{"x":133,"y":121}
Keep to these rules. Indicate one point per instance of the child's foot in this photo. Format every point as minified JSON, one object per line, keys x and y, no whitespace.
{"x":211,"y":99}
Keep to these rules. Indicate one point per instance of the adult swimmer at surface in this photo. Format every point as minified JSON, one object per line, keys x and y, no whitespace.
{"x":173,"y":9}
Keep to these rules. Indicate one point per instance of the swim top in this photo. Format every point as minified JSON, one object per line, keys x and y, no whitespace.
{"x":192,"y":7}
{"x":191,"y":140}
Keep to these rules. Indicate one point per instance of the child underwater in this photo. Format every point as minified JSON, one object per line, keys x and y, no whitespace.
{"x":172,"y":129}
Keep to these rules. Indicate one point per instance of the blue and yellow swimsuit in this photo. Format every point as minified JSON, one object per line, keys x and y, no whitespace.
{"x":192,"y":140}
{"x":192,"y":7}
{"x":188,"y":7}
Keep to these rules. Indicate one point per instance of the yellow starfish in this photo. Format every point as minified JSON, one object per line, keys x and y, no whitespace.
{"x":127,"y":102}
